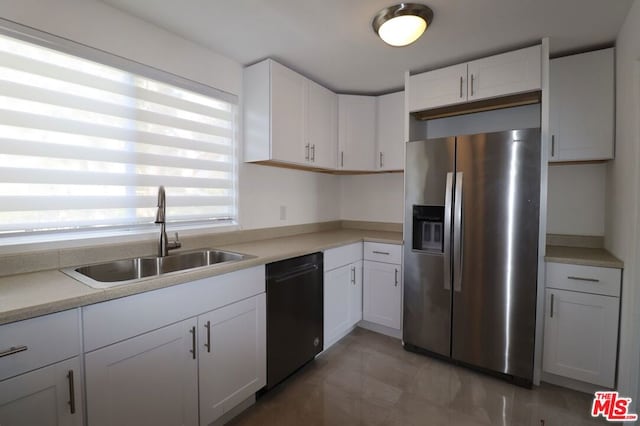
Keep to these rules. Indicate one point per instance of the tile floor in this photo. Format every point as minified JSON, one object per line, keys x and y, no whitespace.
{"x":369,"y":379}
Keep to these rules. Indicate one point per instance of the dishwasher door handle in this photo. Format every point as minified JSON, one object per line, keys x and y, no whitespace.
{"x":302,"y":270}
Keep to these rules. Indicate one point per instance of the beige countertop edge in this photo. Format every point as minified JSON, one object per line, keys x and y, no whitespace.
{"x":34,"y":294}
{"x":582,"y":256}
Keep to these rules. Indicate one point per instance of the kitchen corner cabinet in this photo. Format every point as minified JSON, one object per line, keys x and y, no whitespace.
{"x":581,"y":323}
{"x":40,"y":375}
{"x":581,"y":106}
{"x":390,"y":132}
{"x":342,"y":291}
{"x":356,"y":132}
{"x":288,"y":118}
{"x":509,"y":73}
{"x":382,"y":286}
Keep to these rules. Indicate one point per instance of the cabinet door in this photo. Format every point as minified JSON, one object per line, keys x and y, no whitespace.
{"x":233,"y":358}
{"x":337,"y":288}
{"x":355,"y":294}
{"x":390,"y":132}
{"x":322,"y":126}
{"x":288,"y":114}
{"x":581,"y":102}
{"x":43,"y":397}
{"x":581,"y":336}
{"x":382,"y":290}
{"x":445,"y":86}
{"x":356,"y":132}
{"x":149,"y":380}
{"x":509,"y":73}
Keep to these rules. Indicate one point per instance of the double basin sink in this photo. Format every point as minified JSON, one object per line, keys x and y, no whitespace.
{"x":119,"y":272}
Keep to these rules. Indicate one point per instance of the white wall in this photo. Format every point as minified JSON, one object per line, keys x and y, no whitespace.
{"x":375,"y":198}
{"x":576,"y":199}
{"x":309,"y":197}
{"x":623,"y":185}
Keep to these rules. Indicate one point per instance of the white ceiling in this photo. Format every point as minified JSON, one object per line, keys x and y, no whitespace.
{"x":331,"y":41}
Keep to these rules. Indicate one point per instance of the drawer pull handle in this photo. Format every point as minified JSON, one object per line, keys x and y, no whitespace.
{"x":386,"y":253}
{"x":591,"y":280}
{"x":72,"y":393}
{"x":13,"y":350}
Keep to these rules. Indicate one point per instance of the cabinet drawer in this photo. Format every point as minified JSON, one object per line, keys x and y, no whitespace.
{"x":340,"y":256}
{"x":380,"y":252}
{"x":586,"y":279}
{"x":38,"y":342}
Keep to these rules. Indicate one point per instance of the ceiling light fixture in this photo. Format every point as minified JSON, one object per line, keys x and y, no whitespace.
{"x":403,"y":23}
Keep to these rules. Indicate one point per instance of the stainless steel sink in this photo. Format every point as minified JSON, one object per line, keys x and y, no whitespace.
{"x":119,"y":272}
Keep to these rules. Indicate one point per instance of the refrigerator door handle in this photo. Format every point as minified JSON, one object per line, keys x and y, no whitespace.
{"x":458,"y":233}
{"x":447,"y":231}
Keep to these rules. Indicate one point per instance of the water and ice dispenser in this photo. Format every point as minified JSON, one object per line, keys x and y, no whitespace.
{"x":428,"y":228}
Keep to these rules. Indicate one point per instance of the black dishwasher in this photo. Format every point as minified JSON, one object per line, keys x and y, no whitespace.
{"x":295,"y":310}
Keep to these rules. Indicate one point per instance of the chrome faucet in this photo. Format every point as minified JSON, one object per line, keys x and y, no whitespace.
{"x":164,"y":245}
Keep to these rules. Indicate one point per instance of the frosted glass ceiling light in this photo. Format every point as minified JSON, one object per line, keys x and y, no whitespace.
{"x":403,"y":23}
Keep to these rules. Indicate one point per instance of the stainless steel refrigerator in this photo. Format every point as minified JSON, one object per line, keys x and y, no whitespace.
{"x":472,"y":208}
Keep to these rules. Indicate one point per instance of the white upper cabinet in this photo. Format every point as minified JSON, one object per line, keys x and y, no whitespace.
{"x":581,"y":106}
{"x":288,"y":118}
{"x":509,"y":73}
{"x":500,"y":75}
{"x":288,"y":108}
{"x":445,"y":86}
{"x":390,"y":132}
{"x":356,"y":132}
{"x":322,"y":126}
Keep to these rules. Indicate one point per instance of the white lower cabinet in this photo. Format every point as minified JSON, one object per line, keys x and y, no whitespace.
{"x":232,"y":356}
{"x":582,"y":309}
{"x":49,"y":396}
{"x":382,"y":294}
{"x":342,"y":301}
{"x":183,"y":355}
{"x":581,"y":336}
{"x":40,"y":374}
{"x":355,"y":294}
{"x":342,"y":291}
{"x":150,"y":379}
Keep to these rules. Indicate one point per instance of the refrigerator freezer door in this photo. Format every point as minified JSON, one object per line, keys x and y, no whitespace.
{"x":427,"y":297}
{"x":494,"y":306}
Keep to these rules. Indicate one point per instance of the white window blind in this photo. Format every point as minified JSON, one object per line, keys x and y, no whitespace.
{"x":86,"y":145}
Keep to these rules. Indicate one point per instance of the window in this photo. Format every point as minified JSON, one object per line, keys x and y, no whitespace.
{"x":84,"y":145}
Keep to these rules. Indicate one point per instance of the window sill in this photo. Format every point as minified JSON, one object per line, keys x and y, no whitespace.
{"x":76,"y":240}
